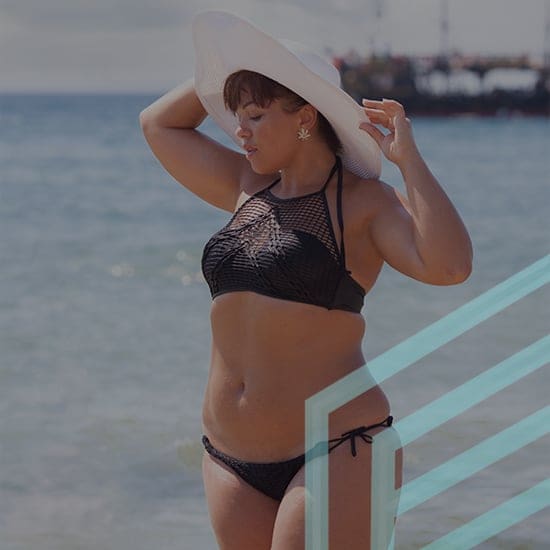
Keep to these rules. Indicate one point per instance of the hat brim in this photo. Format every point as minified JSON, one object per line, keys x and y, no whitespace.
{"x":225,"y":43}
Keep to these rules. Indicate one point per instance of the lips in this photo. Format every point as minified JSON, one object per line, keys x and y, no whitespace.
{"x":250,"y":150}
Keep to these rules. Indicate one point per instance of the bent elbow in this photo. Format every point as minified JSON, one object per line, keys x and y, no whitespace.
{"x":458,"y":274}
{"x":148,"y":121}
{"x":144,"y":120}
{"x":450,"y":274}
{"x":462,"y":268}
{"x":462,"y":275}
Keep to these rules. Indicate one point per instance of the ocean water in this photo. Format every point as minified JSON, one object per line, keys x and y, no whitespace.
{"x":104,"y":329}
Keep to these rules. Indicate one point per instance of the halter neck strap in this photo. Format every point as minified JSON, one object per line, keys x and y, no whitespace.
{"x":335,"y":167}
{"x":339,"y":209}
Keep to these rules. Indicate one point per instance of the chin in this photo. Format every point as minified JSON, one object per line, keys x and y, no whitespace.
{"x":262,"y":172}
{"x":265,"y":167}
{"x":262,"y":169}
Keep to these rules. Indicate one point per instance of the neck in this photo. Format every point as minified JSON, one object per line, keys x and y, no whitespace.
{"x":307,"y":172}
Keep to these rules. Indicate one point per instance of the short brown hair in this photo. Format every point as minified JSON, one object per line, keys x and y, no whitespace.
{"x":264,"y":90}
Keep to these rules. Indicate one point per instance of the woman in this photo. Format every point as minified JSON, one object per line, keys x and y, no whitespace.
{"x":311,"y":228}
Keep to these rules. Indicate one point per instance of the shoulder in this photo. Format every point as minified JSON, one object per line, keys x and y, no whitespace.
{"x":368,"y":199}
{"x":252,"y":183}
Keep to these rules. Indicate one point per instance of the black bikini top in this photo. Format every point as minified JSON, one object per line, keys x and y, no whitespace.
{"x":284,"y":248}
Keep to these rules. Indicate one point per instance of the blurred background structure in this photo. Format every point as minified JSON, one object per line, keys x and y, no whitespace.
{"x":438,"y":57}
{"x":449,"y":82}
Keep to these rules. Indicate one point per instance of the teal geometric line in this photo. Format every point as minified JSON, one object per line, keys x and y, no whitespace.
{"x":383,"y":491}
{"x":318,"y":409}
{"x":319,"y":406}
{"x":434,"y":336}
{"x":474,"y":391}
{"x":496,"y":520}
{"x":461,"y":319}
{"x":316,"y":492}
{"x":474,"y":459}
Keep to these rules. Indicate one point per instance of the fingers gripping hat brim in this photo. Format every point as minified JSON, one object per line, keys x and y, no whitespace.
{"x":225,"y":43}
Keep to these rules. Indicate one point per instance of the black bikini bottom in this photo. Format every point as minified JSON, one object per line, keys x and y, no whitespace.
{"x":272,"y":478}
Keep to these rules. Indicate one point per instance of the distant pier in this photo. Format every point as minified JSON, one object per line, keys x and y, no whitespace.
{"x":451,"y":85}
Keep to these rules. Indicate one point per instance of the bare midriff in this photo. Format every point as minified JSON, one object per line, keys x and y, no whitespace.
{"x":268,"y":357}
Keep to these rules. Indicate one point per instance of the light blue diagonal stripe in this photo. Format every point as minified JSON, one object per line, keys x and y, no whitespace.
{"x":473,"y":460}
{"x":433,"y":336}
{"x":498,"y":519}
{"x":316,"y":479}
{"x":319,"y":406}
{"x":474,"y":391}
{"x":462,"y":319}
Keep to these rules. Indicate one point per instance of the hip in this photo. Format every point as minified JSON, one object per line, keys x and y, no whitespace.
{"x":267,"y":422}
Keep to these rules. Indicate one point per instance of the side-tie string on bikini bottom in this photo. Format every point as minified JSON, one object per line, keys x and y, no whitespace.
{"x":272,"y":478}
{"x":358,"y":432}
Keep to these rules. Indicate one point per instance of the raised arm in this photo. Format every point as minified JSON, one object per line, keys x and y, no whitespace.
{"x":421,"y":235}
{"x":205,"y":167}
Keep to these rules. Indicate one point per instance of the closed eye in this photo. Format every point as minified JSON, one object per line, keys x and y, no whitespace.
{"x":254,"y":118}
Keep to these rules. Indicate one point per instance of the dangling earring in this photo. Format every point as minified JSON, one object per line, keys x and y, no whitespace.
{"x":303,"y":134}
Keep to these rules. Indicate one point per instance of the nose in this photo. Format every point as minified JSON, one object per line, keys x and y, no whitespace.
{"x":242,"y":132}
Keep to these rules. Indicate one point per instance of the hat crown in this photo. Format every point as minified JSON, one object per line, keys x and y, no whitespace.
{"x":313,"y":61}
{"x":225,"y":43}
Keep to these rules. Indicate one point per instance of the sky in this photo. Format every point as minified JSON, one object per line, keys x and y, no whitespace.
{"x":146,"y":46}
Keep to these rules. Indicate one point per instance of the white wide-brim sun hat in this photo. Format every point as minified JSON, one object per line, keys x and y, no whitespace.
{"x":225,"y":43}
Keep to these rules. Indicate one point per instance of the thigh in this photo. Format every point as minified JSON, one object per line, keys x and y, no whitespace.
{"x":241,"y":516}
{"x":349,"y":502}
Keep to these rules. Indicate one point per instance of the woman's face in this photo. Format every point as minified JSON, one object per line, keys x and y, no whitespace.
{"x":267,"y":134}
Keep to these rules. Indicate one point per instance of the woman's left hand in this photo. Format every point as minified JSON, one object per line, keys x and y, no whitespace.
{"x":398,"y":146}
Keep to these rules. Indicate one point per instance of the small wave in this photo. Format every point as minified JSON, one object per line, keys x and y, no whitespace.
{"x":183,"y":256}
{"x":122,"y":270}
